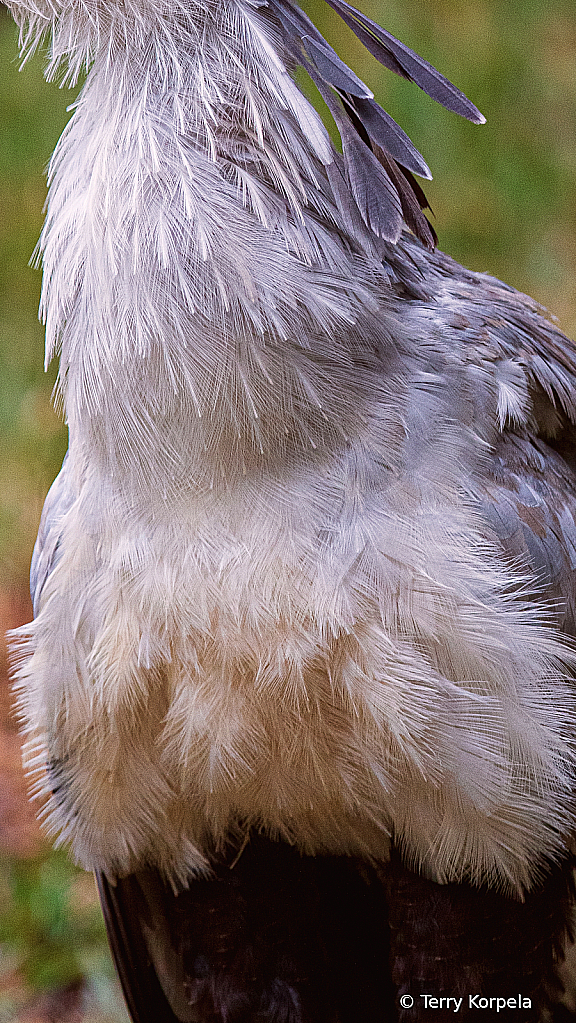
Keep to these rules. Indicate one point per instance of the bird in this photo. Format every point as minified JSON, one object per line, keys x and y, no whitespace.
{"x":299,"y":688}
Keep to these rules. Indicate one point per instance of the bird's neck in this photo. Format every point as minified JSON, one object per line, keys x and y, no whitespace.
{"x":201,"y":304}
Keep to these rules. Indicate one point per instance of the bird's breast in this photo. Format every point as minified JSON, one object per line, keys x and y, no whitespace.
{"x":314,"y":666}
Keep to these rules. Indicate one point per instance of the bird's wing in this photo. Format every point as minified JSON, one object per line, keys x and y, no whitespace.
{"x":126,"y":905}
{"x":58,"y":501}
{"x":274,"y":936}
{"x":530,"y":502}
{"x":526,"y":490}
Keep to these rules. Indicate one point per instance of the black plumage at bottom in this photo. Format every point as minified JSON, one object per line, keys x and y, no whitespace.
{"x":276,"y":937}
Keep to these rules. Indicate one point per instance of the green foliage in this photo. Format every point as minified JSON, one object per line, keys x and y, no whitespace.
{"x":49,"y":929}
{"x":32,"y":439}
{"x":52,"y":934}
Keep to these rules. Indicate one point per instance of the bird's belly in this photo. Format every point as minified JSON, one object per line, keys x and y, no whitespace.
{"x":188,"y":701}
{"x":273,"y":740}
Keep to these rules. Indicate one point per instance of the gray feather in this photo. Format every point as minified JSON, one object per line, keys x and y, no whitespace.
{"x":403,"y":61}
{"x":386,"y":133}
{"x":373,"y":125}
{"x":333,"y":70}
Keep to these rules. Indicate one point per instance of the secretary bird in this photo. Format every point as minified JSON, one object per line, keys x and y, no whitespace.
{"x":300,"y":683}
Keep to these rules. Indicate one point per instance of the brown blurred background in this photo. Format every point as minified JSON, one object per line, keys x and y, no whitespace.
{"x":504,"y":196}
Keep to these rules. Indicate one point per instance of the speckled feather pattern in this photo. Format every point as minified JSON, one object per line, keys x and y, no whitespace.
{"x":267,"y":579}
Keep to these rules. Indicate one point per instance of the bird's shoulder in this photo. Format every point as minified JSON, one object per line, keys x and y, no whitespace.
{"x":512,"y":351}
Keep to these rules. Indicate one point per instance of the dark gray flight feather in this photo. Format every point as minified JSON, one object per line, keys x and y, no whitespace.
{"x":376,"y":197}
{"x":403,"y":61}
{"x":383,"y":129}
{"x":412,"y":198}
{"x":379,"y":158}
{"x":374,"y":192}
{"x":334,"y":70}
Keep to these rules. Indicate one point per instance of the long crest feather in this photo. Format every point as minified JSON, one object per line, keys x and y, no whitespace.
{"x":399,"y":58}
{"x":379,"y":158}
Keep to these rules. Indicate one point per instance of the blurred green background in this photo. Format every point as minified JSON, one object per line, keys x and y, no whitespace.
{"x":504,"y":196}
